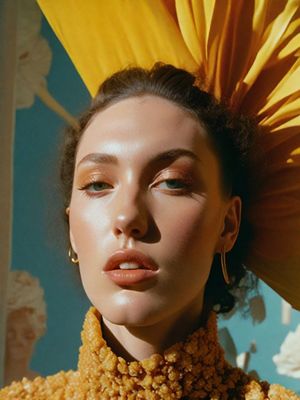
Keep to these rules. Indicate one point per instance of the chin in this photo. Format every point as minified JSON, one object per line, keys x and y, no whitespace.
{"x":131,"y":308}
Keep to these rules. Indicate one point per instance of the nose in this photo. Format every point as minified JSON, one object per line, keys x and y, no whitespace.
{"x":20,"y":341}
{"x":131,"y":216}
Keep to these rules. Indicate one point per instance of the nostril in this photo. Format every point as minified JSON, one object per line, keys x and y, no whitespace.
{"x":131,"y":224}
{"x":136,"y":231}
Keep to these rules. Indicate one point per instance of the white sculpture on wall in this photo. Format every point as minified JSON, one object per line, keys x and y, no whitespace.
{"x":288,"y":359}
{"x":34,"y":58}
{"x":26,"y":323}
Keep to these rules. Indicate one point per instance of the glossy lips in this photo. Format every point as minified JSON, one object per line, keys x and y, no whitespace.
{"x":125,"y":277}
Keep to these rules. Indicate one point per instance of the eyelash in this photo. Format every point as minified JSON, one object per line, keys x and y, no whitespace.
{"x":184,"y":183}
{"x":186,"y":186}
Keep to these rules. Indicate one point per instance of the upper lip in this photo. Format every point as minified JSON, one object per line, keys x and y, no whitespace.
{"x":129,"y":255}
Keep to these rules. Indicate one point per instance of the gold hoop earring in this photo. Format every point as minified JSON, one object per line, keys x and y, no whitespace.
{"x":73,"y":256}
{"x":224,"y":267}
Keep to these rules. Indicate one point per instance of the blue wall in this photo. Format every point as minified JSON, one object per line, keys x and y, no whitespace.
{"x":39,"y":243}
{"x":39,"y":239}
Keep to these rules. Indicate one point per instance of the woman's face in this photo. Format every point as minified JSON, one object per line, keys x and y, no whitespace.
{"x":146,"y":178}
{"x":21,"y":336}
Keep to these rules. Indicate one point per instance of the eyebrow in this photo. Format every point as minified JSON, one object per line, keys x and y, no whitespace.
{"x":169,"y":155}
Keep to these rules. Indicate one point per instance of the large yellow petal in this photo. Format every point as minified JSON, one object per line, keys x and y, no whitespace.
{"x":292,"y":124}
{"x":267,"y":44}
{"x":275,"y":212}
{"x":188,"y":28}
{"x":110,"y":35}
{"x":284,"y":114}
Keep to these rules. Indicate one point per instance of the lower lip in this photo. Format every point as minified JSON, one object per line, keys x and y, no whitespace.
{"x":130,"y":277}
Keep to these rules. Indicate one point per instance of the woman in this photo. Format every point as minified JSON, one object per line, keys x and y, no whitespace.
{"x":156,"y":178}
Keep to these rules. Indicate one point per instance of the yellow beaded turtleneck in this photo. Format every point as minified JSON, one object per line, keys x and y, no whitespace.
{"x":193,"y":369}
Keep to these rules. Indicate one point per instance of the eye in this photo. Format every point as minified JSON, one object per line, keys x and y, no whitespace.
{"x":95,"y":187}
{"x":173,"y":184}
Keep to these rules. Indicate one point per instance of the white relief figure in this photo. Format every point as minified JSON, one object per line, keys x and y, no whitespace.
{"x":26,"y":323}
{"x":288,"y":359}
{"x":34,"y":59}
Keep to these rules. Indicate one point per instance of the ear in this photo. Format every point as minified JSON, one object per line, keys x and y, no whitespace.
{"x":231,"y":224}
{"x":72,"y":241}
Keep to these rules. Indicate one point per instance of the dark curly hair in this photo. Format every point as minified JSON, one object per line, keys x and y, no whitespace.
{"x":233,"y":138}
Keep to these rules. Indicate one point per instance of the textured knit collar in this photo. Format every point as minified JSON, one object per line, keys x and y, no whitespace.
{"x":193,"y":369}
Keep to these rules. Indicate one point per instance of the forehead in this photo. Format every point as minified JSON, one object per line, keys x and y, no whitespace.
{"x":148,"y":124}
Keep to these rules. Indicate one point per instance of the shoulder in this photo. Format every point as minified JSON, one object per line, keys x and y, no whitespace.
{"x":263,"y":391}
{"x":61,"y":385}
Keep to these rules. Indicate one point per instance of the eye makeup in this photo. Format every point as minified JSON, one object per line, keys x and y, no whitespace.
{"x":178,"y":176}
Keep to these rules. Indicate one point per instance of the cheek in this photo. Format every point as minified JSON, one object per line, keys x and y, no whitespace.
{"x":189,"y":228}
{"x":89,"y":224}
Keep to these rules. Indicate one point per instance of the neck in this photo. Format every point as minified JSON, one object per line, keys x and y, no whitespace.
{"x":138,"y":343}
{"x":15,"y":370}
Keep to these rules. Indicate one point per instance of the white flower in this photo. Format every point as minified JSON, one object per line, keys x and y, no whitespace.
{"x":24,"y":291}
{"x":288,"y":360}
{"x":33,"y":52}
{"x":33,"y":62}
{"x":33,"y":67}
